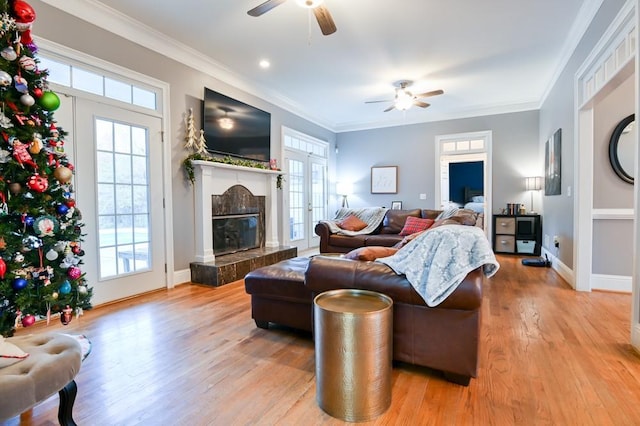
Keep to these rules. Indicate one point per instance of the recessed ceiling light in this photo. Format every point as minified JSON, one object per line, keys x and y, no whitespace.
{"x":264,"y":64}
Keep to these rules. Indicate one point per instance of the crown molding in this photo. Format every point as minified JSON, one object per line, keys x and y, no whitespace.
{"x":585,"y":16}
{"x":113,"y":21}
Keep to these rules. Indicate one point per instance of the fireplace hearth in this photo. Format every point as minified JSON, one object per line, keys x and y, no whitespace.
{"x":224,"y":191}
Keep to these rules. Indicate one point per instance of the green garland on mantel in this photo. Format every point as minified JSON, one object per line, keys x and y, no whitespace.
{"x":188,"y":165}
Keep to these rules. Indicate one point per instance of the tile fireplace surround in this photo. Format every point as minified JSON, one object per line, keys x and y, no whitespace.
{"x":213,"y":178}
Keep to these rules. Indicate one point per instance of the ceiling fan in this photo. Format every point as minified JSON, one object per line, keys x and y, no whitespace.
{"x":405,"y":99}
{"x":327,"y":26}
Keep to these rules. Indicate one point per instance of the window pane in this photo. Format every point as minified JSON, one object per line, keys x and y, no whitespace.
{"x":141,"y":233}
{"x":123,"y":168}
{"x":125,"y":230}
{"x":87,"y":81}
{"x":139,"y":141}
{"x":144,"y":98}
{"x":123,"y":199}
{"x":108,"y":266}
{"x":107,"y":226}
{"x":122,"y":138}
{"x":140,"y":199}
{"x":125,"y":258}
{"x":105,"y":167}
{"x":58,"y":73}
{"x":104,"y":135}
{"x":139,"y":170}
{"x":117,"y":90}
{"x":106,"y":199}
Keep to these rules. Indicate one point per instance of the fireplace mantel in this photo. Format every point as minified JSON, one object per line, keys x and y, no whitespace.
{"x":212,"y":178}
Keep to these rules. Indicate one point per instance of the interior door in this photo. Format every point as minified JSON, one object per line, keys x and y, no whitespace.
{"x":306,"y":197}
{"x":119,"y":190}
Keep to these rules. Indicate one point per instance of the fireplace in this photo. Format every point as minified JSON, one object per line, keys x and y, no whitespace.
{"x":244,"y":195}
{"x":237,"y":220}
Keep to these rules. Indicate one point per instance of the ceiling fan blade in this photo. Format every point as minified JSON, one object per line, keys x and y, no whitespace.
{"x":432,"y":93}
{"x":375,"y":102}
{"x":420,"y":104}
{"x":265,"y":7}
{"x":390,"y":108}
{"x":327,"y":26}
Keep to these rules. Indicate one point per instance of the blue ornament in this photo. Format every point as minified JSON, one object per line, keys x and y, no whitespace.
{"x":29,"y":220}
{"x":62,"y":209}
{"x":65,"y":288}
{"x":19,"y":284}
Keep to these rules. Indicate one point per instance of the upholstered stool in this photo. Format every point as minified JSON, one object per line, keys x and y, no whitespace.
{"x":278,"y":294}
{"x":52,"y":364}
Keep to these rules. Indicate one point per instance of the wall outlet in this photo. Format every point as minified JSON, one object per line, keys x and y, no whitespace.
{"x":423,"y":196}
{"x":556,"y":241}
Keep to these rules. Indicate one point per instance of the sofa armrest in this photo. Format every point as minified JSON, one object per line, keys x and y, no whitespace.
{"x":322,"y":230}
{"x":329,"y":273}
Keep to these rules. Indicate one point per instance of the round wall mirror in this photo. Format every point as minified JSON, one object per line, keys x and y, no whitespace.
{"x":622,"y":149}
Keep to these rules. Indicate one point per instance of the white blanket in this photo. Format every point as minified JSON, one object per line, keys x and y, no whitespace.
{"x":372,"y":216}
{"x":437,"y":261}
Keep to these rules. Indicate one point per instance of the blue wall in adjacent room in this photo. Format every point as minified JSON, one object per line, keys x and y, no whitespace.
{"x":461,"y":175}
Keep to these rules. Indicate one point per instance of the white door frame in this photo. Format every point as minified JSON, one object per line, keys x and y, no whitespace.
{"x":487,"y":136}
{"x":163,"y":111}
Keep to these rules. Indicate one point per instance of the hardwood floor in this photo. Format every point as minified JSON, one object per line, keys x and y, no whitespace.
{"x":193,"y":356}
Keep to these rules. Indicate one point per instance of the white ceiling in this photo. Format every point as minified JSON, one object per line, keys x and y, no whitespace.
{"x":488,"y":56}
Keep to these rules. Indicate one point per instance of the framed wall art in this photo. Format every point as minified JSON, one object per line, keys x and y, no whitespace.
{"x":384,"y":180}
{"x":552,"y":164}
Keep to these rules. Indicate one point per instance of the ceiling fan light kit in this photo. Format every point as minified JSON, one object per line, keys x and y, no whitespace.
{"x":404,"y":99}
{"x":310,"y":4}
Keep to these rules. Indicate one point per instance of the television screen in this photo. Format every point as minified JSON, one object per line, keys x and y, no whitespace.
{"x":234,"y":128}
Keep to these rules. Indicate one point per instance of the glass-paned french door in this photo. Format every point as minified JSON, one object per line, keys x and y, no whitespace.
{"x":119,"y":189}
{"x":306,"y":196}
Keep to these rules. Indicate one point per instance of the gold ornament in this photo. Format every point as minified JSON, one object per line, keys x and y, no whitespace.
{"x":63,"y":174}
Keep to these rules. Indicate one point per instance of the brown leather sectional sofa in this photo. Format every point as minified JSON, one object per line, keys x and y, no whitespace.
{"x":445,"y":337}
{"x":386,"y":235}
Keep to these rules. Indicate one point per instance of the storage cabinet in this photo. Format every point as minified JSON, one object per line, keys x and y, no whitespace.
{"x":519,"y":234}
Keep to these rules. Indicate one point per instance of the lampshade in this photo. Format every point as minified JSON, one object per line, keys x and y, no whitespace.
{"x":344,"y":188}
{"x":533,"y":183}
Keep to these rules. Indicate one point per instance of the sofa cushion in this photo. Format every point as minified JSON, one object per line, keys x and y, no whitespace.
{"x":351,"y":223}
{"x":370,"y":253}
{"x":386,"y":240}
{"x":415,"y":224}
{"x":354,"y":241}
{"x":394,"y":220}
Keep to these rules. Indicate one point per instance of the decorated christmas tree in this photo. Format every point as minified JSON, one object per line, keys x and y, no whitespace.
{"x":40,"y":228}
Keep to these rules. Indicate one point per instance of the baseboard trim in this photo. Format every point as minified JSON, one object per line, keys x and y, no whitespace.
{"x":617,"y":283}
{"x":182,"y":276}
{"x":563,"y":270}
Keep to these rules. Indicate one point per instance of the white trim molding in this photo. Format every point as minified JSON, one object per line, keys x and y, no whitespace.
{"x":563,"y":270}
{"x":617,"y":283}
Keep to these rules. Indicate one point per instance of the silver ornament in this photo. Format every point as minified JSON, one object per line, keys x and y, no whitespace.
{"x":51,"y":255}
{"x":82,"y":289}
{"x":5,"y":79}
{"x":27,"y":99}
{"x":19,"y":257}
{"x":8,"y":53}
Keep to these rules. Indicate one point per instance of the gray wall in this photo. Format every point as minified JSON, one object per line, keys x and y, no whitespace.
{"x":412,"y":148}
{"x":187,"y":89}
{"x":558,"y":111}
{"x":612,"y":239}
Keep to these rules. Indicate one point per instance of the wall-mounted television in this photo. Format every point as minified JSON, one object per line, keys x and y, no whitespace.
{"x":234,"y":128}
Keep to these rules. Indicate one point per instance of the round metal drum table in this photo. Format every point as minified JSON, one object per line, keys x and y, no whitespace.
{"x":353,"y":346}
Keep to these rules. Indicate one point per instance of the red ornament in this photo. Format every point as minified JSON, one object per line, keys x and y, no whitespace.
{"x":21,"y":154}
{"x":3,"y":268}
{"x":38,"y":183}
{"x":24,"y":16}
{"x":28,"y":320}
{"x":74,"y":272}
{"x":37,"y":92}
{"x":70,"y":202}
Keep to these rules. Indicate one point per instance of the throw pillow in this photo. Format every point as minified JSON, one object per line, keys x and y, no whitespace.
{"x":351,"y":223}
{"x":415,"y":224}
{"x":10,"y":353}
{"x":370,"y":253}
